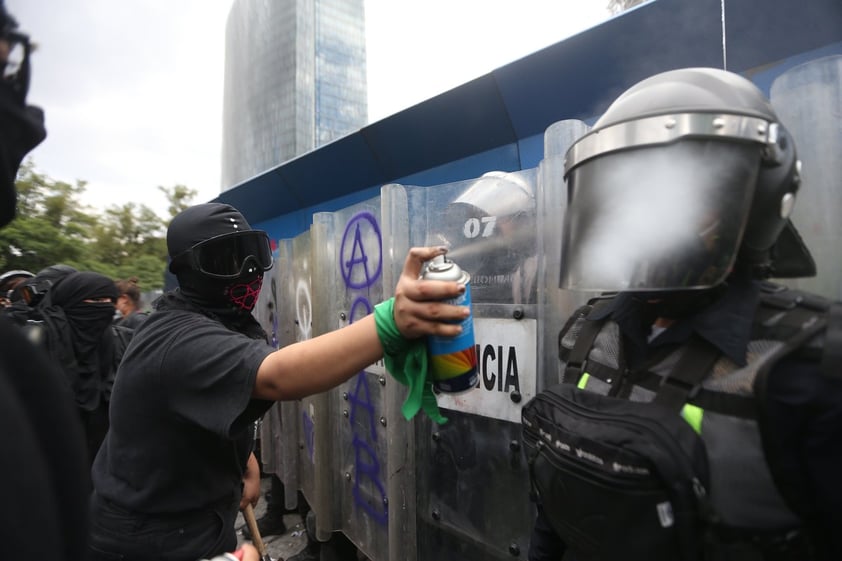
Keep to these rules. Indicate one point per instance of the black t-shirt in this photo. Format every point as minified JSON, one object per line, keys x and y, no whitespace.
{"x":181,"y":415}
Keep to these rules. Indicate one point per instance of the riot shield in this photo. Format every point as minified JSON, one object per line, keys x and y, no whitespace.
{"x":285,"y":331}
{"x":555,"y":304}
{"x":266,"y":313}
{"x":471,"y":479}
{"x":300,"y":415}
{"x":807,"y":100}
{"x":348,"y":265}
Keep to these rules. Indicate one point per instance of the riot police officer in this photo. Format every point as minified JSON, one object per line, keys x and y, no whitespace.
{"x":679,"y":199}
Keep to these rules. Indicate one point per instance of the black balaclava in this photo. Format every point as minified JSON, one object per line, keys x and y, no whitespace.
{"x":225,"y":298}
{"x":21,"y":130}
{"x":87,"y":320}
{"x":78,"y":333}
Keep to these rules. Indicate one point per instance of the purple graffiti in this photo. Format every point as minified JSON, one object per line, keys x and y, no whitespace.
{"x":361,"y":398}
{"x":368,"y":467}
{"x":358,"y":257}
{"x":360,"y":302}
{"x":360,"y":270}
{"x":308,"y":427}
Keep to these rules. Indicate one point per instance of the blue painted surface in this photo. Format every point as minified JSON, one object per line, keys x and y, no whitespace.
{"x":497,"y":121}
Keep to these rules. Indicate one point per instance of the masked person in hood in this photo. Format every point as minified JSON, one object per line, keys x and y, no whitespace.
{"x":177,"y":464}
{"x":699,"y":414}
{"x":76,"y":319}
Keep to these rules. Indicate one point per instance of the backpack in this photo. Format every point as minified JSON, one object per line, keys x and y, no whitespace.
{"x":622,"y":470}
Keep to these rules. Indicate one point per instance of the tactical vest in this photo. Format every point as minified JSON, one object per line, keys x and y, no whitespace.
{"x":719,"y":499}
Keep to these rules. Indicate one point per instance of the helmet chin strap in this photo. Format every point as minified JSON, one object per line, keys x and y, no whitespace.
{"x":680,"y":303}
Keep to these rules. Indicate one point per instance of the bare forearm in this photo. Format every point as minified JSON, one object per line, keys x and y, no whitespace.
{"x":318,"y":364}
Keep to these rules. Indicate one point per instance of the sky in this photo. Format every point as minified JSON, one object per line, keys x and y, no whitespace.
{"x":132,"y":90}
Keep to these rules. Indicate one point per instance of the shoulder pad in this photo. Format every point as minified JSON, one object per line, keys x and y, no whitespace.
{"x":784,"y":298}
{"x":784,"y":311}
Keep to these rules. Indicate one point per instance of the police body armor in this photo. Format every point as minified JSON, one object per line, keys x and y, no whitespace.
{"x":686,"y":479}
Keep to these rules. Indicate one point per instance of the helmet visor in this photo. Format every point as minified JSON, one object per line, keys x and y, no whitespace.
{"x":667,"y":217}
{"x":227,"y":256}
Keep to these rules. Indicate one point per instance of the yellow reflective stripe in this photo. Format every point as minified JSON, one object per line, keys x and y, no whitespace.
{"x":693,"y":415}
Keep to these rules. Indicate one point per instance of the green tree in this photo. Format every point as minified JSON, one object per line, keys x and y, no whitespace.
{"x":179,"y":197}
{"x":126,"y":236}
{"x":52,"y":226}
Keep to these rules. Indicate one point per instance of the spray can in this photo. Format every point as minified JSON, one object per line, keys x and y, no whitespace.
{"x":452,"y":360}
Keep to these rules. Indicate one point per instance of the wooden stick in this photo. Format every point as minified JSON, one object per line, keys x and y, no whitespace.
{"x":248,"y":514}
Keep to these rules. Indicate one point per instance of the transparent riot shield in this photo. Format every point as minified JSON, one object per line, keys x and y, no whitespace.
{"x":555,"y":304}
{"x":266,"y":313}
{"x":807,"y":100}
{"x":349,"y":261}
{"x":284,"y":324}
{"x":471,"y":479}
{"x":300,"y":416}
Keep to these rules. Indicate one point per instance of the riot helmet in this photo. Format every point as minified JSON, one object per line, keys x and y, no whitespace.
{"x":490,"y":231}
{"x":31,"y":291}
{"x":218,"y":258}
{"x":687,"y":175}
{"x":9,"y":281}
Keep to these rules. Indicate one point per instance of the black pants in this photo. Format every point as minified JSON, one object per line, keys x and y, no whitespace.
{"x":120,"y":535}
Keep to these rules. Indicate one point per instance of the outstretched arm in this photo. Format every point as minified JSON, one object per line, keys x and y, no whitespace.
{"x":321,"y":363}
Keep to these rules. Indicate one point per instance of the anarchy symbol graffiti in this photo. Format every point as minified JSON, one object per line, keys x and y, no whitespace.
{"x":361,"y":262}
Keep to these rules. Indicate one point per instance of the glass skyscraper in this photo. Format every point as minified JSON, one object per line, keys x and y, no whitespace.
{"x":295,"y":79}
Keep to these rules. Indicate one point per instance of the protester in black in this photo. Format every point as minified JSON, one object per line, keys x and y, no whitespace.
{"x":76,"y":317}
{"x":177,"y":462}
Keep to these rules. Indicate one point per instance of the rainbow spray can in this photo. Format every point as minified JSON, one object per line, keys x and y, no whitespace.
{"x":452,"y":360}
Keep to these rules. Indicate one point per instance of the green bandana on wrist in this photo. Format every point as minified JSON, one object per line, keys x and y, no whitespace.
{"x":406,"y":361}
